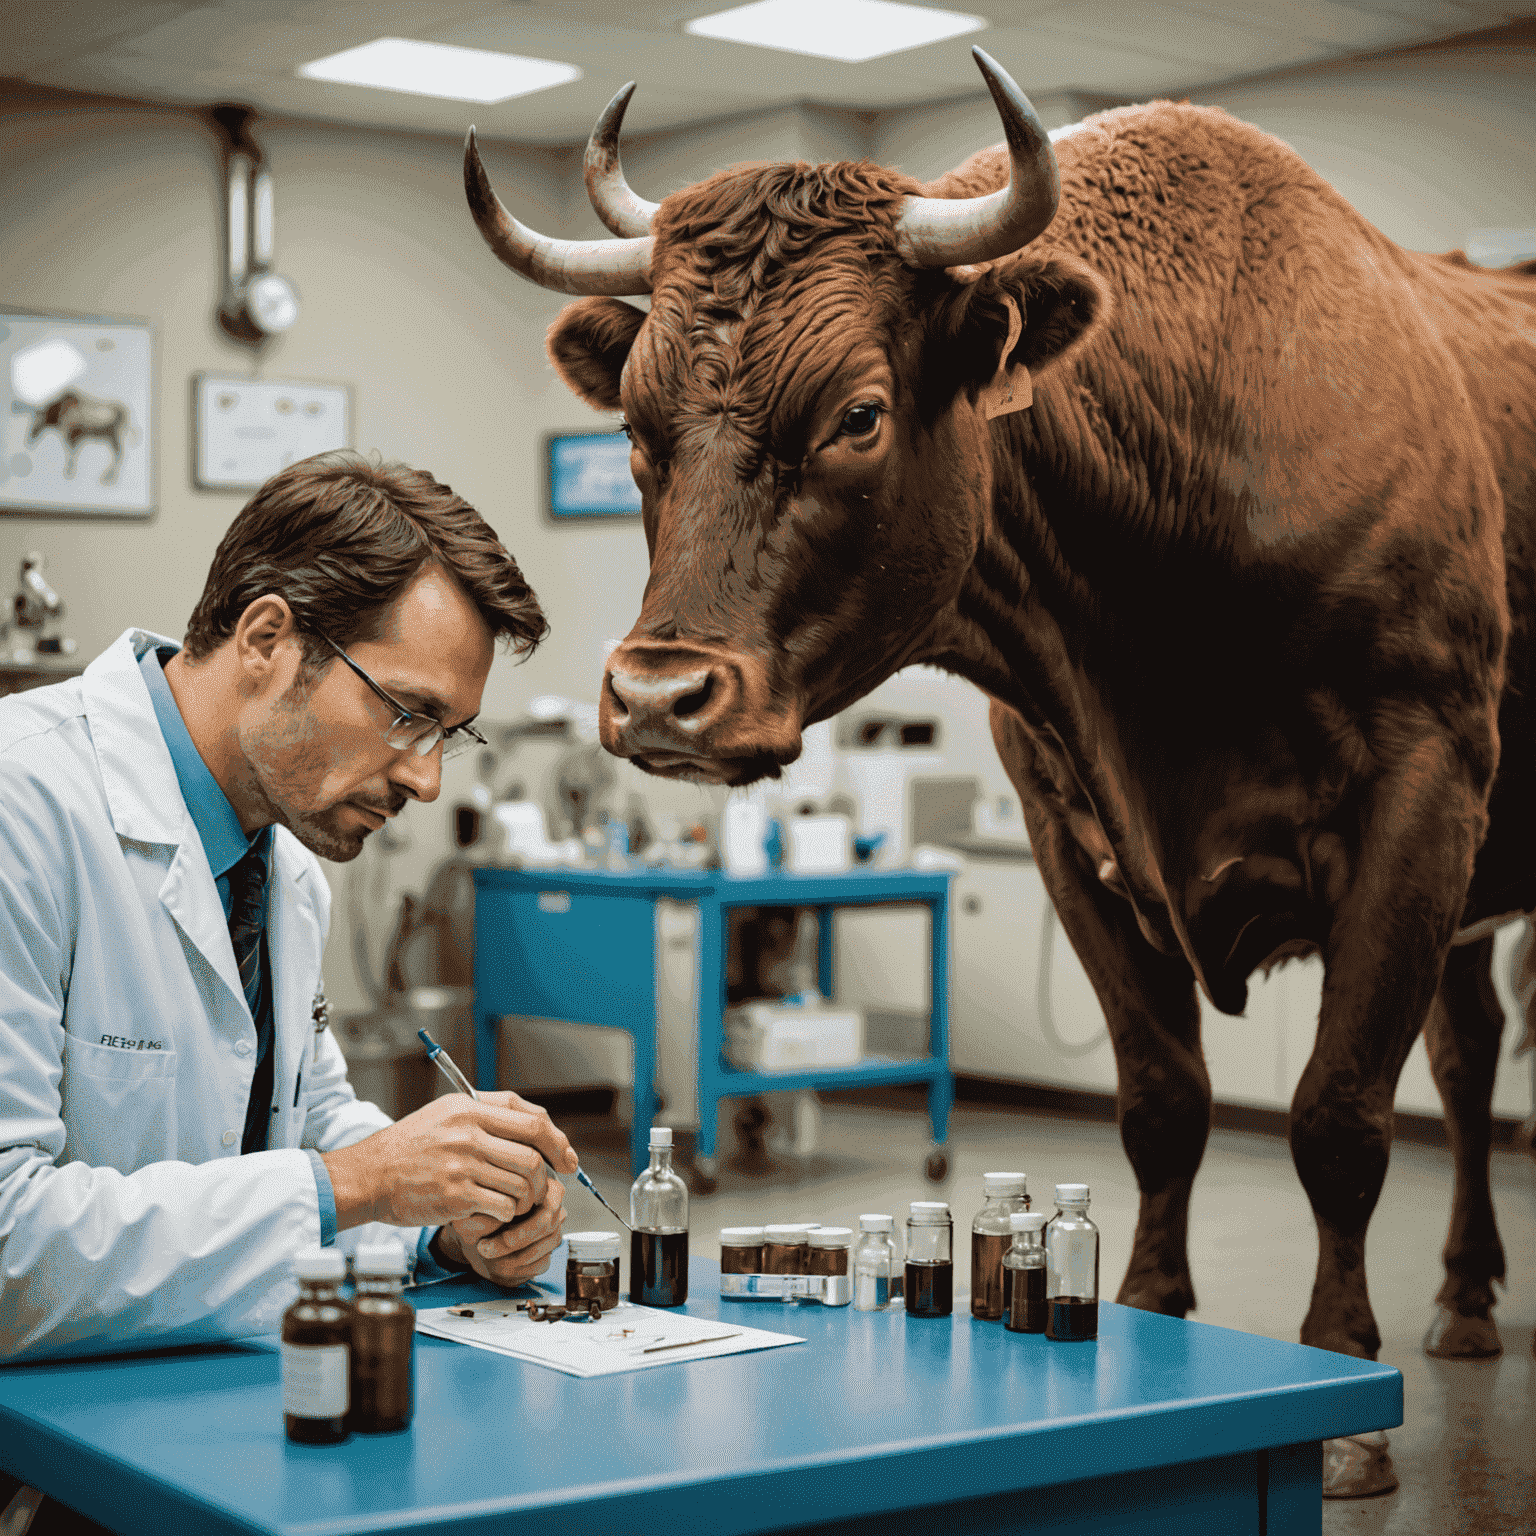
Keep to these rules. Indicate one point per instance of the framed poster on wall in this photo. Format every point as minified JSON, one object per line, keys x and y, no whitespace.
{"x":245,"y":430}
{"x":78,"y":428}
{"x":588,"y":477}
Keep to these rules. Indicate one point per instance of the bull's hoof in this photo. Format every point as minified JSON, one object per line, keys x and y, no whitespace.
{"x":1453,"y":1337}
{"x":1357,"y":1467}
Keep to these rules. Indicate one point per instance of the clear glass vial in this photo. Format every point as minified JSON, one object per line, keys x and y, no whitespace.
{"x":383,"y":1386}
{"x":1024,"y":1274}
{"x":591,"y":1270}
{"x":317,"y":1351}
{"x":874,"y":1264}
{"x":658,"y":1214}
{"x":1072,"y":1268}
{"x":930,"y":1267}
{"x":991,"y":1236}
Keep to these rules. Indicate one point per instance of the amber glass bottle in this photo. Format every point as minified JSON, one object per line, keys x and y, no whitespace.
{"x":316,"y":1351}
{"x":383,"y":1342}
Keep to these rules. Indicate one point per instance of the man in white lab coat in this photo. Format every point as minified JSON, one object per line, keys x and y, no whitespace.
{"x":174,"y":1124}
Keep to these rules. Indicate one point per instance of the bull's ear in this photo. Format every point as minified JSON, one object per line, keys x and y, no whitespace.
{"x":1061,"y":302}
{"x":588,"y":345}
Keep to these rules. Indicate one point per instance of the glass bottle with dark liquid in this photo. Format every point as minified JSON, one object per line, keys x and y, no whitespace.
{"x":991,"y":1238}
{"x":317,"y":1351}
{"x":930,"y":1266}
{"x":591,"y":1270}
{"x":383,"y":1340}
{"x":658,"y":1213}
{"x":1072,"y":1268}
{"x":1024,"y":1306}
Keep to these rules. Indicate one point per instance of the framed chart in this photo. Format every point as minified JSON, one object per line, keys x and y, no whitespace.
{"x":78,"y":429}
{"x":588,"y":477}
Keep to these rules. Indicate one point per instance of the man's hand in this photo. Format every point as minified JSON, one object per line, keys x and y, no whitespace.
{"x":454,"y":1158}
{"x":508,"y":1255}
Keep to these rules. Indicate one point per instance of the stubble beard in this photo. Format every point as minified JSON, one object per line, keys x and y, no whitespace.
{"x":282,"y":759}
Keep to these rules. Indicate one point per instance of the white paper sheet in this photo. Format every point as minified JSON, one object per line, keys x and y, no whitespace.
{"x":628,"y":1338}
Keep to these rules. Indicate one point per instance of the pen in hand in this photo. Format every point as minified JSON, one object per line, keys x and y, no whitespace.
{"x":450,"y":1069}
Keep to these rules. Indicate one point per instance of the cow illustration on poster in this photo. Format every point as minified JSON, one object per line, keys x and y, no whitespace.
{"x":1226,"y":502}
{"x":77,"y":435}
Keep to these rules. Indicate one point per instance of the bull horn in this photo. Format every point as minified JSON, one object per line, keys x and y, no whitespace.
{"x":567,"y":266}
{"x":953,"y":232}
{"x":618,"y":207}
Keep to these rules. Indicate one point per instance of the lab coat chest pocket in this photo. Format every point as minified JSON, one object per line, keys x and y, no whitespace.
{"x":118,"y":1103}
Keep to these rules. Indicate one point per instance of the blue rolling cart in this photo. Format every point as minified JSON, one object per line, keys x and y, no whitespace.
{"x":580,"y":945}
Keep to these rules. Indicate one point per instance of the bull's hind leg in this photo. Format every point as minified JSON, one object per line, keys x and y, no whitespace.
{"x":1163,"y":1101}
{"x":1462,"y":1034}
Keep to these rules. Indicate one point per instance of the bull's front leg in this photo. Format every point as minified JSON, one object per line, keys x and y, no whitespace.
{"x":1384,"y":957}
{"x":1163,"y":1097}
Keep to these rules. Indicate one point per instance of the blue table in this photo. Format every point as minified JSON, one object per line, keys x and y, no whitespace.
{"x":945,"y":1425}
{"x":580,"y":945}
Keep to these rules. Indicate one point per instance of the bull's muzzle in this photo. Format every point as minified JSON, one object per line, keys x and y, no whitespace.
{"x":692,"y":712}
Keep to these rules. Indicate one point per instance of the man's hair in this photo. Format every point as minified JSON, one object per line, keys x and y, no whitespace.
{"x":339,"y":539}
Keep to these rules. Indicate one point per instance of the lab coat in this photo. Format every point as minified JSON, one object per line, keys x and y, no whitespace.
{"x":127,"y":1214}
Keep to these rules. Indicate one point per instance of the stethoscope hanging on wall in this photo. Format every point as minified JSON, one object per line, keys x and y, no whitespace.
{"x":255,"y":302}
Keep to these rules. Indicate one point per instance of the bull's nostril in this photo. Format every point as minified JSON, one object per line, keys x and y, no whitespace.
{"x":615,"y":699}
{"x":691,"y":703}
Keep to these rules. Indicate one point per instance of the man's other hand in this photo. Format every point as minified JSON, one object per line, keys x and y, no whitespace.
{"x":454,"y":1158}
{"x":511,"y":1254}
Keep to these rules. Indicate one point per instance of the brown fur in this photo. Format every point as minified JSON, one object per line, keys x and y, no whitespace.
{"x":1250,"y":587}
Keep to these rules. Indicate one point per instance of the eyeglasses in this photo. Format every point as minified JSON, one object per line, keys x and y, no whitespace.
{"x":409,"y":729}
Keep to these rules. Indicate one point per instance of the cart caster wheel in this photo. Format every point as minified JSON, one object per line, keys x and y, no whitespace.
{"x":936,"y":1168}
{"x":705,"y":1175}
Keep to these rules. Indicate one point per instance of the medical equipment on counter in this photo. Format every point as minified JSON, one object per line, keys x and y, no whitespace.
{"x":34,"y":609}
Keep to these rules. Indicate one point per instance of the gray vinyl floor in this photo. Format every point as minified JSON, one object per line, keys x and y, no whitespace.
{"x":1466,"y":1453}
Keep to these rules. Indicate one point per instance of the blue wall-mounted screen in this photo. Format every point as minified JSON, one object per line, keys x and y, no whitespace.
{"x":589,"y":476}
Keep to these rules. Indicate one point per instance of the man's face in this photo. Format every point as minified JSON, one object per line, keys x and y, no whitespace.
{"x":314,"y":747}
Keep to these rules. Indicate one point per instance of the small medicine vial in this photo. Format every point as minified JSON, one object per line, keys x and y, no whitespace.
{"x":316,"y":1351}
{"x":828,"y":1255}
{"x":991,"y":1237}
{"x":874,"y":1264}
{"x":383,"y":1342}
{"x":658,"y":1217}
{"x":930,"y":1267}
{"x":784,"y":1248}
{"x":741,"y":1250}
{"x":591,"y":1271}
{"x":1072,"y":1268}
{"x":1024,"y":1274}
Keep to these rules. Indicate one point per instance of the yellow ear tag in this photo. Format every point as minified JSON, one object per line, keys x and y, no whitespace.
{"x":1010,"y":389}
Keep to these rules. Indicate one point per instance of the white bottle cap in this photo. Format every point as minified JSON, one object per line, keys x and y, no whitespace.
{"x":1071,"y":1194}
{"x":874,"y":1222}
{"x":785,"y":1233}
{"x":740,"y":1237}
{"x":1027,"y":1221}
{"x":385,"y":1258}
{"x":832,"y":1237}
{"x":587,"y":1246}
{"x":320,"y":1264}
{"x":1004,"y":1184}
{"x":930,"y":1213}
{"x":661,"y":1135}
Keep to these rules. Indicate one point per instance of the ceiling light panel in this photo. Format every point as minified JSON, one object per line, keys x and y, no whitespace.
{"x":848,"y":30}
{"x":437,"y":69}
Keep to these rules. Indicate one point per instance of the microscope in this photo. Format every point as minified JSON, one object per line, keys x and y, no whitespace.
{"x":35,"y":610}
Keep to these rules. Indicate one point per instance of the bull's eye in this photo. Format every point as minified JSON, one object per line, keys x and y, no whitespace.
{"x":860,"y":421}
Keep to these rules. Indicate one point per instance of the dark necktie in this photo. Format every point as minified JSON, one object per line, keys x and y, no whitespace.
{"x":247,"y":929}
{"x":248,"y":921}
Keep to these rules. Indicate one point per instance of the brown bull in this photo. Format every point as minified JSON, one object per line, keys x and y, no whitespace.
{"x":1249,"y":586}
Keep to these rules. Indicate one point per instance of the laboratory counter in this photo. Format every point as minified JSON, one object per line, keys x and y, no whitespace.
{"x":877,"y":1423}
